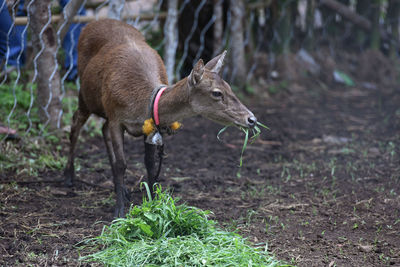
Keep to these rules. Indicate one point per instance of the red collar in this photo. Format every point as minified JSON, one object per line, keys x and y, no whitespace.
{"x":155,"y":106}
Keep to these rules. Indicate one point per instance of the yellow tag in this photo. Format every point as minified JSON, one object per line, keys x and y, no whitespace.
{"x":148,"y":127}
{"x":175,"y":126}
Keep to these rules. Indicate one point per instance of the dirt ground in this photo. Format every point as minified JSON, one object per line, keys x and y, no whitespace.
{"x":322,"y":188}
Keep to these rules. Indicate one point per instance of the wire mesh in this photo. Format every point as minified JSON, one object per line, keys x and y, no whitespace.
{"x":268,"y":28}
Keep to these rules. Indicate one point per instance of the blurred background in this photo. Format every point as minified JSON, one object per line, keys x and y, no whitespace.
{"x":270,"y":43}
{"x":320,"y":188}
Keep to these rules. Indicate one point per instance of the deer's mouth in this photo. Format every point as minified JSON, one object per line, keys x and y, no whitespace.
{"x":243,"y":125}
{"x":245,"y":121}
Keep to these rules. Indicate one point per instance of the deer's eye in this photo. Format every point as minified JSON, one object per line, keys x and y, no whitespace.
{"x":216,"y":94}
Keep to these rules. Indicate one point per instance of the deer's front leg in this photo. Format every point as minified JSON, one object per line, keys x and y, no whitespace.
{"x":149,"y":162}
{"x":118,"y":166}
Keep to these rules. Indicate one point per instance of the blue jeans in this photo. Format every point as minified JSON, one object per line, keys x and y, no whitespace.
{"x":17,"y":40}
{"x":70,"y":43}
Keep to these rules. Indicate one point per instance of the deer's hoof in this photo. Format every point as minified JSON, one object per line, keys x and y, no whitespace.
{"x":119,"y":211}
{"x":68,"y":183}
{"x":127,"y":195}
{"x":69,"y":178}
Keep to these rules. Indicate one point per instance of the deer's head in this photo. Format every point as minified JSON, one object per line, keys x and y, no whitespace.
{"x":213,"y":98}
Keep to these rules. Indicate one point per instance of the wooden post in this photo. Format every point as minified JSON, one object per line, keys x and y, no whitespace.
{"x":218,"y":27}
{"x":375,"y":40}
{"x":48,"y":78}
{"x":392,"y":21}
{"x":284,"y":26}
{"x":362,"y":9}
{"x":309,"y":40}
{"x":171,"y":38}
{"x":238,"y":61}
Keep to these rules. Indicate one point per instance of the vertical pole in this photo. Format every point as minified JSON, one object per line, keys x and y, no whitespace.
{"x":375,"y":31}
{"x":171,"y":38}
{"x":238,"y":62}
{"x":218,"y":27}
{"x":392,"y":21}
{"x":309,"y":41}
{"x":362,"y":8}
{"x":44,"y":43}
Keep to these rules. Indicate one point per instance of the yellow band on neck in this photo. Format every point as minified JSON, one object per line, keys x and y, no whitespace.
{"x":149,"y":127}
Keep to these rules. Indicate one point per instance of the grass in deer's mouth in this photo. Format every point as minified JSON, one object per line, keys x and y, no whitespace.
{"x":256,"y":131}
{"x":162,"y":233}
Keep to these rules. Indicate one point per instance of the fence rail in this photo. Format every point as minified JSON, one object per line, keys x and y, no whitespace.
{"x":85,"y":19}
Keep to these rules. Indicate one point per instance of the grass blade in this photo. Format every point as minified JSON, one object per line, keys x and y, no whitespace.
{"x":246,"y":139}
{"x":147,"y":191}
{"x":256,"y":131}
{"x":221,"y":131}
{"x":263,"y":125}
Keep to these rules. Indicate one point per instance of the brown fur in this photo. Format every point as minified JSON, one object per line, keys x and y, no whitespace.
{"x":118,"y":73}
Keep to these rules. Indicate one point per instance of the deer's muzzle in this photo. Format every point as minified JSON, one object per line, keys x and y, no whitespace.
{"x":251,"y":121}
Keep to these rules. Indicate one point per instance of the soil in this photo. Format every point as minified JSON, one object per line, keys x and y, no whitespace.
{"x":321,"y":188}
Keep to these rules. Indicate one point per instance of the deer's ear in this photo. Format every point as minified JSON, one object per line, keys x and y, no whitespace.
{"x":215,"y":64}
{"x":197,"y":73}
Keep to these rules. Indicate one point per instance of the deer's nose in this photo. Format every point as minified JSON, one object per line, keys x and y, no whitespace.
{"x":251,"y":121}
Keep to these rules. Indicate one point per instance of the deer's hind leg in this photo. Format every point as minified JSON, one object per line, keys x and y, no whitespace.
{"x":114,"y":139}
{"x":109,"y":146}
{"x":111,"y":154}
{"x":78,"y":120}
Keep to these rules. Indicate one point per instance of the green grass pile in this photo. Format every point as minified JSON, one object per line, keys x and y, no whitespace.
{"x":162,"y":233}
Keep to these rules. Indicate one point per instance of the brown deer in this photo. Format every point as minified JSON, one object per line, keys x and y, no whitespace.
{"x":119,"y":72}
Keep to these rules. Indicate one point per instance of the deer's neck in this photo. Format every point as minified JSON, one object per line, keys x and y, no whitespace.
{"x":174,"y":104}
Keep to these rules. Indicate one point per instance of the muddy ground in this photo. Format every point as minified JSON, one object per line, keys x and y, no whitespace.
{"x":322,"y":188}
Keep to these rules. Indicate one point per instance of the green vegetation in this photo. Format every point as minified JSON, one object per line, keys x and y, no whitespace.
{"x":18,"y":107}
{"x":38,"y":148}
{"x":32,"y":157}
{"x":15,"y":102}
{"x":162,"y":233}
{"x":256,"y":131}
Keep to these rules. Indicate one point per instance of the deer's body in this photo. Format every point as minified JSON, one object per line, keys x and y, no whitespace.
{"x":118,"y":73}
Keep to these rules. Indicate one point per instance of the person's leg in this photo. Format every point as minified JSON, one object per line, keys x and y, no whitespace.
{"x":70,"y":45}
{"x":5,"y":25}
{"x":16,"y":39}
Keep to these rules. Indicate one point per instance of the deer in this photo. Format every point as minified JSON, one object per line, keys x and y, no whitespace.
{"x":120,"y":77}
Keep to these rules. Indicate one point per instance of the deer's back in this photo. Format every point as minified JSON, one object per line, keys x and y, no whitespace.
{"x":118,"y":70}
{"x":102,"y":34}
